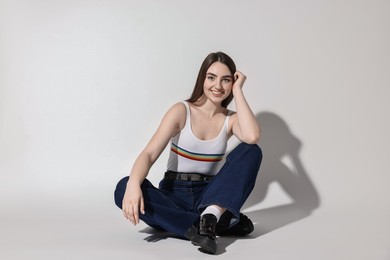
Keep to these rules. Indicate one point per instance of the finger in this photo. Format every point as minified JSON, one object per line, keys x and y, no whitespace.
{"x":130,"y":215}
{"x":135,"y":214}
{"x":127,"y":212}
{"x":142,"y":206}
{"x":124,"y":210}
{"x":238,"y":75}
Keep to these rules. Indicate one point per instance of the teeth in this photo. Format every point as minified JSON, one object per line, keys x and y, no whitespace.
{"x":216,"y":92}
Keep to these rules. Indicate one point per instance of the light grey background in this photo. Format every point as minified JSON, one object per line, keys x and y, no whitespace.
{"x":84,"y":84}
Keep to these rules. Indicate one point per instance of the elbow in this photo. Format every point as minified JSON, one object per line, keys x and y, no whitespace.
{"x":250,"y":134}
{"x":253,"y":139}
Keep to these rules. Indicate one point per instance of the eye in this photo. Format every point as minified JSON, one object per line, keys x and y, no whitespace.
{"x":227,"y":80}
{"x":211,"y":78}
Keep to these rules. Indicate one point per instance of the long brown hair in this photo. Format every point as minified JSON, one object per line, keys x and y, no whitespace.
{"x":210,"y":59}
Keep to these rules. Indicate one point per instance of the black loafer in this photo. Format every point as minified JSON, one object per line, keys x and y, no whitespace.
{"x":242,"y":228}
{"x":204,"y":236}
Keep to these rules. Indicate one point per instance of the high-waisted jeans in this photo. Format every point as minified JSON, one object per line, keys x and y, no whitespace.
{"x":176,"y":205}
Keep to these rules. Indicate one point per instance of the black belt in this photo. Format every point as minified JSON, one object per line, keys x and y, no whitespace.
{"x":181,"y":176}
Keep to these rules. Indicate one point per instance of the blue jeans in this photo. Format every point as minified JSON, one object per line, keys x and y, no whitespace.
{"x":176,"y":205}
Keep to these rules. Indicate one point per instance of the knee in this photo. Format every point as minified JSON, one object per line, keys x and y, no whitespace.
{"x":120,"y":191}
{"x":256,"y":150}
{"x":252,"y":150}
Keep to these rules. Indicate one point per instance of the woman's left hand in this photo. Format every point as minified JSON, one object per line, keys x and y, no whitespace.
{"x":239,"y":80}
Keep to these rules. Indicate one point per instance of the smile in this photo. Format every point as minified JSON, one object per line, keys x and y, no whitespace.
{"x":217,"y":92}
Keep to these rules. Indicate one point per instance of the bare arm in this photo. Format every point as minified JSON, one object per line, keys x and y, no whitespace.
{"x":244,"y":125}
{"x":171,"y":123}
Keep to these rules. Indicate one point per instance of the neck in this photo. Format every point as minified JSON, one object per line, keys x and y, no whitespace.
{"x":208,"y":107}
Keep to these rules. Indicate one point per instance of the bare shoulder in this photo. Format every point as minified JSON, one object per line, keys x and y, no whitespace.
{"x":176,"y":115}
{"x":178,"y":110}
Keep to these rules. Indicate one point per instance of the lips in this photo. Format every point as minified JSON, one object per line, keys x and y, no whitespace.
{"x":217,"y":92}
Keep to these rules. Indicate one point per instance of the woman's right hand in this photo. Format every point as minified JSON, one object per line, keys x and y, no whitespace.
{"x":133,"y":203}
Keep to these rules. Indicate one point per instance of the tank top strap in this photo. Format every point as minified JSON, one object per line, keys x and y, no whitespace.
{"x":188,"y":115}
{"x":226,"y":124}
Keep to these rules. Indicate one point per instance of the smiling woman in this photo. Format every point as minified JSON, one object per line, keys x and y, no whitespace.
{"x":198,"y":199}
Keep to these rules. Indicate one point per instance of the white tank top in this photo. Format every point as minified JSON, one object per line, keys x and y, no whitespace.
{"x":192,"y":155}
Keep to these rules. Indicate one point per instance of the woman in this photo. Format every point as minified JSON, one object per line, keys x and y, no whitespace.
{"x":197,"y":199}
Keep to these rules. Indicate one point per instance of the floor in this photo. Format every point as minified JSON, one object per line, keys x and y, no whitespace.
{"x":93,"y":228}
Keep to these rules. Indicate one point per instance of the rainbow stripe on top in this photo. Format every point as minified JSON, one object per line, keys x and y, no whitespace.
{"x":196,"y":156}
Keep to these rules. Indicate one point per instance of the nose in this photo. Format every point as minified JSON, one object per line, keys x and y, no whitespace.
{"x":218,"y":84}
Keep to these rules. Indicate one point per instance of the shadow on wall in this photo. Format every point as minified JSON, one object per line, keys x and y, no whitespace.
{"x":278,"y":143}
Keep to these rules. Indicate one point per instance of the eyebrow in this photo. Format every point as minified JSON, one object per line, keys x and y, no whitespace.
{"x":212,"y":74}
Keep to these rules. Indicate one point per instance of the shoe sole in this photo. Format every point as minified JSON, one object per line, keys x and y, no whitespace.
{"x":208,"y":245}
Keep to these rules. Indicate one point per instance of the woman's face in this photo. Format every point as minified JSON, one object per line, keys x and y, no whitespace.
{"x":218,"y":82}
